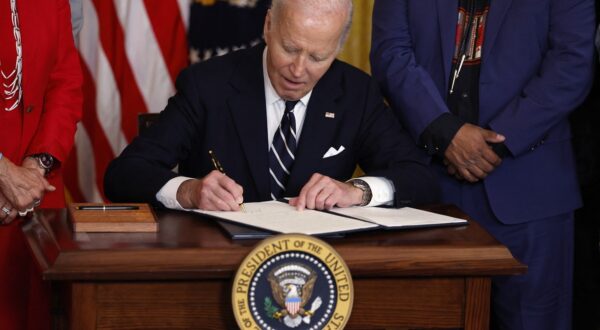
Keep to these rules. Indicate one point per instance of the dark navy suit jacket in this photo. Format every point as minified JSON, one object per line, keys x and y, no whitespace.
{"x":220,"y":106}
{"x":536,"y":68}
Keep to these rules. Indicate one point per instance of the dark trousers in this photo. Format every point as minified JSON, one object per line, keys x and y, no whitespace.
{"x":541,"y":298}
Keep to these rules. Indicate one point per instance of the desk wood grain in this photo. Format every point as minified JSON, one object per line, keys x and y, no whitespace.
{"x":180,"y":277}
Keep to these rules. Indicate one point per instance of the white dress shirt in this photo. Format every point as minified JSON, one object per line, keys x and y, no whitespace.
{"x":381,"y":188}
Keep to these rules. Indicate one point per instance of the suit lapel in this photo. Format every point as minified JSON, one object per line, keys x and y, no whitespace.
{"x":447,"y":26}
{"x":247,"y":109}
{"x":318,"y":131}
{"x":498,"y":10}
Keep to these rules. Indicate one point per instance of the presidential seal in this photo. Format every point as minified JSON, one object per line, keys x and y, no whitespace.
{"x":292,"y":282}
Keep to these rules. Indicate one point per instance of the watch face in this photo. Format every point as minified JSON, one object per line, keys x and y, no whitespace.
{"x":362,"y":185}
{"x":46,"y":161}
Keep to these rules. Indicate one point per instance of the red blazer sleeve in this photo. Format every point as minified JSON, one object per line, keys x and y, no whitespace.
{"x":62,"y":94}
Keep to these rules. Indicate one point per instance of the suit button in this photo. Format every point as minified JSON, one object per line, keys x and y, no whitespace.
{"x":465,"y":95}
{"x":29,"y":109}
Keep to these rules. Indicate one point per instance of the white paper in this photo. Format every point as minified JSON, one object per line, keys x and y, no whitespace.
{"x":284,"y":218}
{"x":402,"y":217}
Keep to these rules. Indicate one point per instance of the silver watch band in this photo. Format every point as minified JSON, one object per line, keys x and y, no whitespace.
{"x":366,"y":189}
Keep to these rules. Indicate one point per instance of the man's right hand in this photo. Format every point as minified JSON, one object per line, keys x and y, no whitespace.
{"x":469,"y":155}
{"x":22,"y":186}
{"x":214,"y":192}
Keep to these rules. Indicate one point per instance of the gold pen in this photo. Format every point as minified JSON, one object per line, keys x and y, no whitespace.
{"x":218,"y":167}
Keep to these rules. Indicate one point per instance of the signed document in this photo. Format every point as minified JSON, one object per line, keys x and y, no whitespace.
{"x":280,"y":217}
{"x":405,"y":217}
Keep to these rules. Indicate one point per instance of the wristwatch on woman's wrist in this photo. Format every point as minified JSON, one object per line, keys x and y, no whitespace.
{"x":45,"y":161}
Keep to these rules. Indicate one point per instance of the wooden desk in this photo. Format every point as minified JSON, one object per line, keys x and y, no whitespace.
{"x":180,"y":277}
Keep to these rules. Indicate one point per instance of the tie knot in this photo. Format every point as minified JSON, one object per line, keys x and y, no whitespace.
{"x":289,"y":105}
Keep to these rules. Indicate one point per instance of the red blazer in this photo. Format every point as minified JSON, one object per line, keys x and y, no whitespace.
{"x":52,"y":102}
{"x":52,"y":80}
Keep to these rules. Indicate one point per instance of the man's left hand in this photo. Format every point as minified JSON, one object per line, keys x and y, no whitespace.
{"x":322,"y":193}
{"x":469,"y":155}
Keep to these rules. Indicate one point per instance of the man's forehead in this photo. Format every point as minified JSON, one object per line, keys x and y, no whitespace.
{"x":302,"y":31}
{"x":312,"y":49}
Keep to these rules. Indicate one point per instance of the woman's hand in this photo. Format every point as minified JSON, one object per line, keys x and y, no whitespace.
{"x":22,"y":186}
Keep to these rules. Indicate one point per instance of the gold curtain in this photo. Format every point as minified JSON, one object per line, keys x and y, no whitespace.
{"x":356,"y":49}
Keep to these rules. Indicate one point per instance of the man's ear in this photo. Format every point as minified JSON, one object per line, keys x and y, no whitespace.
{"x":267,"y":26}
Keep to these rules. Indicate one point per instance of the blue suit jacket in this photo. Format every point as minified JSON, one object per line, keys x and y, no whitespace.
{"x":220,"y":106}
{"x":536,"y":68}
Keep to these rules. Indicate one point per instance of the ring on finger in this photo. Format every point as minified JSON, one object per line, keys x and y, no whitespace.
{"x":37,"y":202}
{"x":6,"y":210}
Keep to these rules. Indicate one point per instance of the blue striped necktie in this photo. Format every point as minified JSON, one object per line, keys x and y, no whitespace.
{"x":282,"y":150}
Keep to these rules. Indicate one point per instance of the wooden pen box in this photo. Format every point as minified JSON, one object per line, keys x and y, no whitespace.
{"x":107,"y":218}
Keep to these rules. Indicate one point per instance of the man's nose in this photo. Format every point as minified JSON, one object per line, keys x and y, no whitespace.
{"x":298,"y":66}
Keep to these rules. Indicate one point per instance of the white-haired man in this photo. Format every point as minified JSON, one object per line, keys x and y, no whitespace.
{"x":285,"y":119}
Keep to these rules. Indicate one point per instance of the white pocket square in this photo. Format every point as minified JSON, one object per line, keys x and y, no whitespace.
{"x":333,"y":151}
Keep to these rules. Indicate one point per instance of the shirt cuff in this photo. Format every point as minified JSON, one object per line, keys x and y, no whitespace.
{"x":382,"y":190}
{"x":437,"y":136}
{"x":500,"y":149}
{"x":167,"y":195}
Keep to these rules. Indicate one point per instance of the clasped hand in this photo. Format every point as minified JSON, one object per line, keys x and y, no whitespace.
{"x":469,"y":156}
{"x":21,"y":187}
{"x":218,"y":192}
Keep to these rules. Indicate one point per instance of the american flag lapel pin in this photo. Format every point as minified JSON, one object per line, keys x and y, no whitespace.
{"x":330,"y":115}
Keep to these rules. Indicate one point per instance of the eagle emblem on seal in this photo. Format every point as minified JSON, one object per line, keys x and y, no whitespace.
{"x":292,"y":286}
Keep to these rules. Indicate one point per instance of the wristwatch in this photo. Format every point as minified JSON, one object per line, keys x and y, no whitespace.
{"x":364,"y":186}
{"x":45,"y":161}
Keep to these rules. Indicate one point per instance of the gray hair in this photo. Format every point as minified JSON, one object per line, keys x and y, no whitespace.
{"x":324,"y":6}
